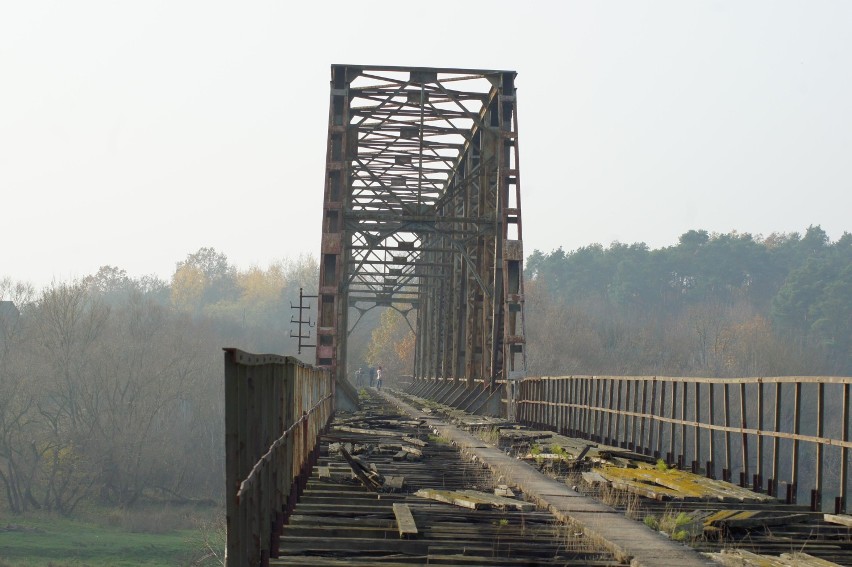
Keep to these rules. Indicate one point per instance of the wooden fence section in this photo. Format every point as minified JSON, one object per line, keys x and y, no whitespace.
{"x":760,"y":428}
{"x":275,"y":409}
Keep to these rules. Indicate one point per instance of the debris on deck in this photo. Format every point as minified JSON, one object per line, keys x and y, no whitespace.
{"x":368,"y":475}
{"x":751,"y":519}
{"x":404,"y":520}
{"x":351,"y":515}
{"x":475,"y":500}
{"x":842,"y":519}
{"x":709,"y":513}
{"x":742,"y":558}
{"x":676,"y":484}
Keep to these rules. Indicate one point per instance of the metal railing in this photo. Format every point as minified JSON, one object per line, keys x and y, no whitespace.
{"x":275,"y":410}
{"x":759,"y":426}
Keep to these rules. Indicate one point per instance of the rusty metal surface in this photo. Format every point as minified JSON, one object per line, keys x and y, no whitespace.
{"x":422,"y":214}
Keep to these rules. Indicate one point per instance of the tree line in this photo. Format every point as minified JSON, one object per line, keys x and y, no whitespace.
{"x":713,"y":304}
{"x":111,"y":386}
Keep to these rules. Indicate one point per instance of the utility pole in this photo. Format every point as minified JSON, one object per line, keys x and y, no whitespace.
{"x":301,"y":321}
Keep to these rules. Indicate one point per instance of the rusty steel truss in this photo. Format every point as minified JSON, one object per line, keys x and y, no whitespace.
{"x":422,"y":214}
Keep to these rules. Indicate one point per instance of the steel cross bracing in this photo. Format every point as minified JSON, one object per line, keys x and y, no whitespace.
{"x":422,"y":213}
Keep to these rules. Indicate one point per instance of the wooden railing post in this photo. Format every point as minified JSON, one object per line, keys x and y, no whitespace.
{"x":840,"y":501}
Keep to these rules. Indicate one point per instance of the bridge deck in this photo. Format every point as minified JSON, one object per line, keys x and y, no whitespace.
{"x":627,"y":539}
{"x":402,"y":453}
{"x":339,"y":521}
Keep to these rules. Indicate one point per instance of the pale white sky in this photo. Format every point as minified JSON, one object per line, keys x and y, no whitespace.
{"x":134,"y":133}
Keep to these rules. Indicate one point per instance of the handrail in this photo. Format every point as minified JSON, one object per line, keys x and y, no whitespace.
{"x":246,"y":484}
{"x":655,"y":415}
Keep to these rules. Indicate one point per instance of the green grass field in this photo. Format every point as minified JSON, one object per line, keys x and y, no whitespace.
{"x":113,"y":540}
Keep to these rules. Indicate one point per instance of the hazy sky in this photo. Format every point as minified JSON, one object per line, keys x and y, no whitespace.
{"x":134,"y":133}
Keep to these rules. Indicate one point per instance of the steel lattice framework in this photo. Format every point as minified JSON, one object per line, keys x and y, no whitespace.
{"x":422,"y":213}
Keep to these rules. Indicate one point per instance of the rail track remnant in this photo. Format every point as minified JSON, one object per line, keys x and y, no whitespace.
{"x":422,"y":214}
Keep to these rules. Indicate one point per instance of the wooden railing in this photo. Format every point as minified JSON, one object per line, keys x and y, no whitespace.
{"x":275,"y":410}
{"x":761,"y":427}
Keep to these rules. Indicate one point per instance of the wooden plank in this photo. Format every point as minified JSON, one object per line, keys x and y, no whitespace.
{"x":404,"y":520}
{"x":414,"y":441}
{"x":394,"y":482}
{"x":804,"y":560}
{"x":753,"y":518}
{"x":743,"y":558}
{"x":592,"y":478}
{"x":324,"y":472}
{"x":362,"y":431}
{"x":683,"y":485}
{"x":842,"y":519}
{"x":359,"y":471}
{"x":499,"y":502}
{"x":450,"y":497}
{"x":412,"y":450}
{"x":475,"y":499}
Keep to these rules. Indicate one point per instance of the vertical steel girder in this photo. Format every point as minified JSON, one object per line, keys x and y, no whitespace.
{"x":422,"y":213}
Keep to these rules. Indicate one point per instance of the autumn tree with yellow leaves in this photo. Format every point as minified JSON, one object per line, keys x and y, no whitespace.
{"x":392,"y":345}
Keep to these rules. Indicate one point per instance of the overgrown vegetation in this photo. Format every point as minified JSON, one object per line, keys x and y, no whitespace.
{"x":679,"y":526}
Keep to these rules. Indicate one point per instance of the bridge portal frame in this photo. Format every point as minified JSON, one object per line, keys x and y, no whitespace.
{"x":422,"y":214}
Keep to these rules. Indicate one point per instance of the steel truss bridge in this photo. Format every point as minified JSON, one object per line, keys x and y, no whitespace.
{"x":422,"y":214}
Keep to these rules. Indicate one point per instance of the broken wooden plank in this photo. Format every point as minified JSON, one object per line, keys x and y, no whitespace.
{"x":413,"y":450}
{"x":474,"y":499}
{"x":545,"y":456}
{"x":743,"y":558}
{"x":503,"y":490}
{"x":450,"y":497}
{"x":394,"y":482}
{"x":842,"y":519}
{"x":499,"y":502}
{"x":679,"y":485}
{"x":401,"y":456}
{"x":362,"y":431}
{"x":360,"y":471}
{"x":404,"y":520}
{"x":593,"y":478}
{"x":752,"y":518}
{"x":583,"y":452}
{"x":414,"y":441}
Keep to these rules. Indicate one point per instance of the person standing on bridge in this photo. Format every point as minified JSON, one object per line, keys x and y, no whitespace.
{"x":379,"y":376}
